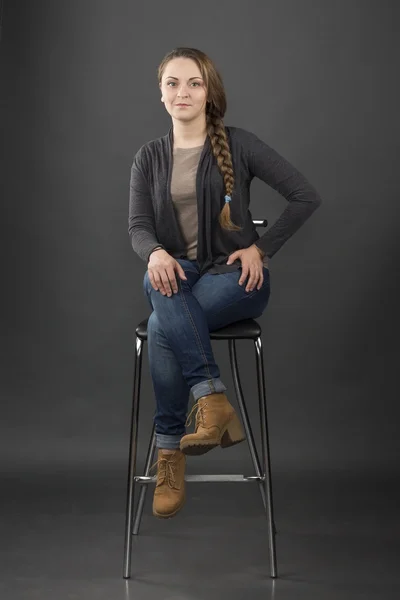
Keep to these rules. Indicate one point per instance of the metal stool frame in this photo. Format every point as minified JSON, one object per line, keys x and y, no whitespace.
{"x":262,"y":469}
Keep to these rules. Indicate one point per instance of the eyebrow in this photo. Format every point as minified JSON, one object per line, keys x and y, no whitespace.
{"x":171,"y":77}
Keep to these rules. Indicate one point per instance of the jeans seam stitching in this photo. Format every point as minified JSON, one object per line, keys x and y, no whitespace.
{"x":195,"y":329}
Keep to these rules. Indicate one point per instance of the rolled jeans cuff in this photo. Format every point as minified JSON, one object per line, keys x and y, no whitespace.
{"x":168,"y":441}
{"x":205,"y":388}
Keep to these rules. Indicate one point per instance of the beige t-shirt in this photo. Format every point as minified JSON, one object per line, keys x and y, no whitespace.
{"x":184,"y":198}
{"x":183,"y":192}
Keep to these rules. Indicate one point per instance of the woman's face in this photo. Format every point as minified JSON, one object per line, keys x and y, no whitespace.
{"x":182,"y":83}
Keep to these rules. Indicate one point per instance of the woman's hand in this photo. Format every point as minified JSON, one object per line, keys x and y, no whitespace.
{"x":252,"y":265}
{"x":162,"y":269}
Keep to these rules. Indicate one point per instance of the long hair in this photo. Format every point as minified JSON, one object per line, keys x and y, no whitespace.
{"x":215,"y":111}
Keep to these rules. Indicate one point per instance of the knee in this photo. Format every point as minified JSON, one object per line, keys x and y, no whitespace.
{"x":146,"y":282}
{"x":153,"y":324}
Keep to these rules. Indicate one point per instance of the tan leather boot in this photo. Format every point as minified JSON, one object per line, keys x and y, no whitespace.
{"x":216,"y":424}
{"x":169,"y":493}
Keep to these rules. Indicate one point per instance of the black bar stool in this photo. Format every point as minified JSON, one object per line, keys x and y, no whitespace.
{"x":248,"y":329}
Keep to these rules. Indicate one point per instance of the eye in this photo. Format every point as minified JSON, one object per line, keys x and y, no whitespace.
{"x":193,"y":82}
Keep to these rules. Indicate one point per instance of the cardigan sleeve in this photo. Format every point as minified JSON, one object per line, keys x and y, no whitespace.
{"x":269,"y":166}
{"x":141,"y":222}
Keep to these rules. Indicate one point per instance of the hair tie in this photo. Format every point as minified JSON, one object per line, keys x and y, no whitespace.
{"x":227,"y":198}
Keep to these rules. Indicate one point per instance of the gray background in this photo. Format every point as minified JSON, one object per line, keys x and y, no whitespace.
{"x":79,"y":96}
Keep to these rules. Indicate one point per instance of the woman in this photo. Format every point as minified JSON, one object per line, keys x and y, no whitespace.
{"x":189,"y":220}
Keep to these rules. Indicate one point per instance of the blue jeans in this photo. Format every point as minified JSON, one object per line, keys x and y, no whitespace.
{"x":181,"y":358}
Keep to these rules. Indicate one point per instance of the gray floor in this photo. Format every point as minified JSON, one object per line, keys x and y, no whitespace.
{"x":62,"y":538}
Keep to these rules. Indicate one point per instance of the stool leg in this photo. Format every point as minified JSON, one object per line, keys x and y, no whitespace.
{"x":132,"y":458}
{"x":245,"y":418}
{"x":266,"y":453}
{"x":144,"y":486}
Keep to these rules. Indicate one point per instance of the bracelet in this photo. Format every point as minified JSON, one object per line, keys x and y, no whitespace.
{"x":261,"y":252}
{"x":156,"y":248}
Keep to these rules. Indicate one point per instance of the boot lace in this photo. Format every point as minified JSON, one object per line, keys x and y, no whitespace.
{"x":165,"y":471}
{"x":200,"y":417}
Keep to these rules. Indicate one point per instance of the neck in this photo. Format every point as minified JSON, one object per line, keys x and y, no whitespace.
{"x":192,"y":133}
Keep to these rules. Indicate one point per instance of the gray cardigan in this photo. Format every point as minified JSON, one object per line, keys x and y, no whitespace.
{"x":152,"y":221}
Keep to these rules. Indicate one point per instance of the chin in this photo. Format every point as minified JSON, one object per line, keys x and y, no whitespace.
{"x":184,"y":117}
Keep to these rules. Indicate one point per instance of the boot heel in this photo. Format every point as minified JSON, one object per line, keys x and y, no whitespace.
{"x":233,"y":434}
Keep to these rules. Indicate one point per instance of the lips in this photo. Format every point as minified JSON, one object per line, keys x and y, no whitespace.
{"x":181,"y":104}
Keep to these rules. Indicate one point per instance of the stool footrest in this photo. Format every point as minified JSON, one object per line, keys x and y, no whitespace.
{"x":204,"y":478}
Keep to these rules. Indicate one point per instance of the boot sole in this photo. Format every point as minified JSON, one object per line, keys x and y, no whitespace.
{"x":170,"y":515}
{"x":198,"y":449}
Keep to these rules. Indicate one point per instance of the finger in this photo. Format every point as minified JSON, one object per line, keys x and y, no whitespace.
{"x":172,"y":280}
{"x":151,"y":279}
{"x":261,"y":281}
{"x":254,"y":277}
{"x":167,"y":285}
{"x":243,"y":277}
{"x":158,"y":282}
{"x":251,"y":281}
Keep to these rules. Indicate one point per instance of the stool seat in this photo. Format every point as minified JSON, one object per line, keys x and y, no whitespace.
{"x":247,"y":329}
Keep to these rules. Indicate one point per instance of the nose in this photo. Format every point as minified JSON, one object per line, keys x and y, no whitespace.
{"x":182,"y":93}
